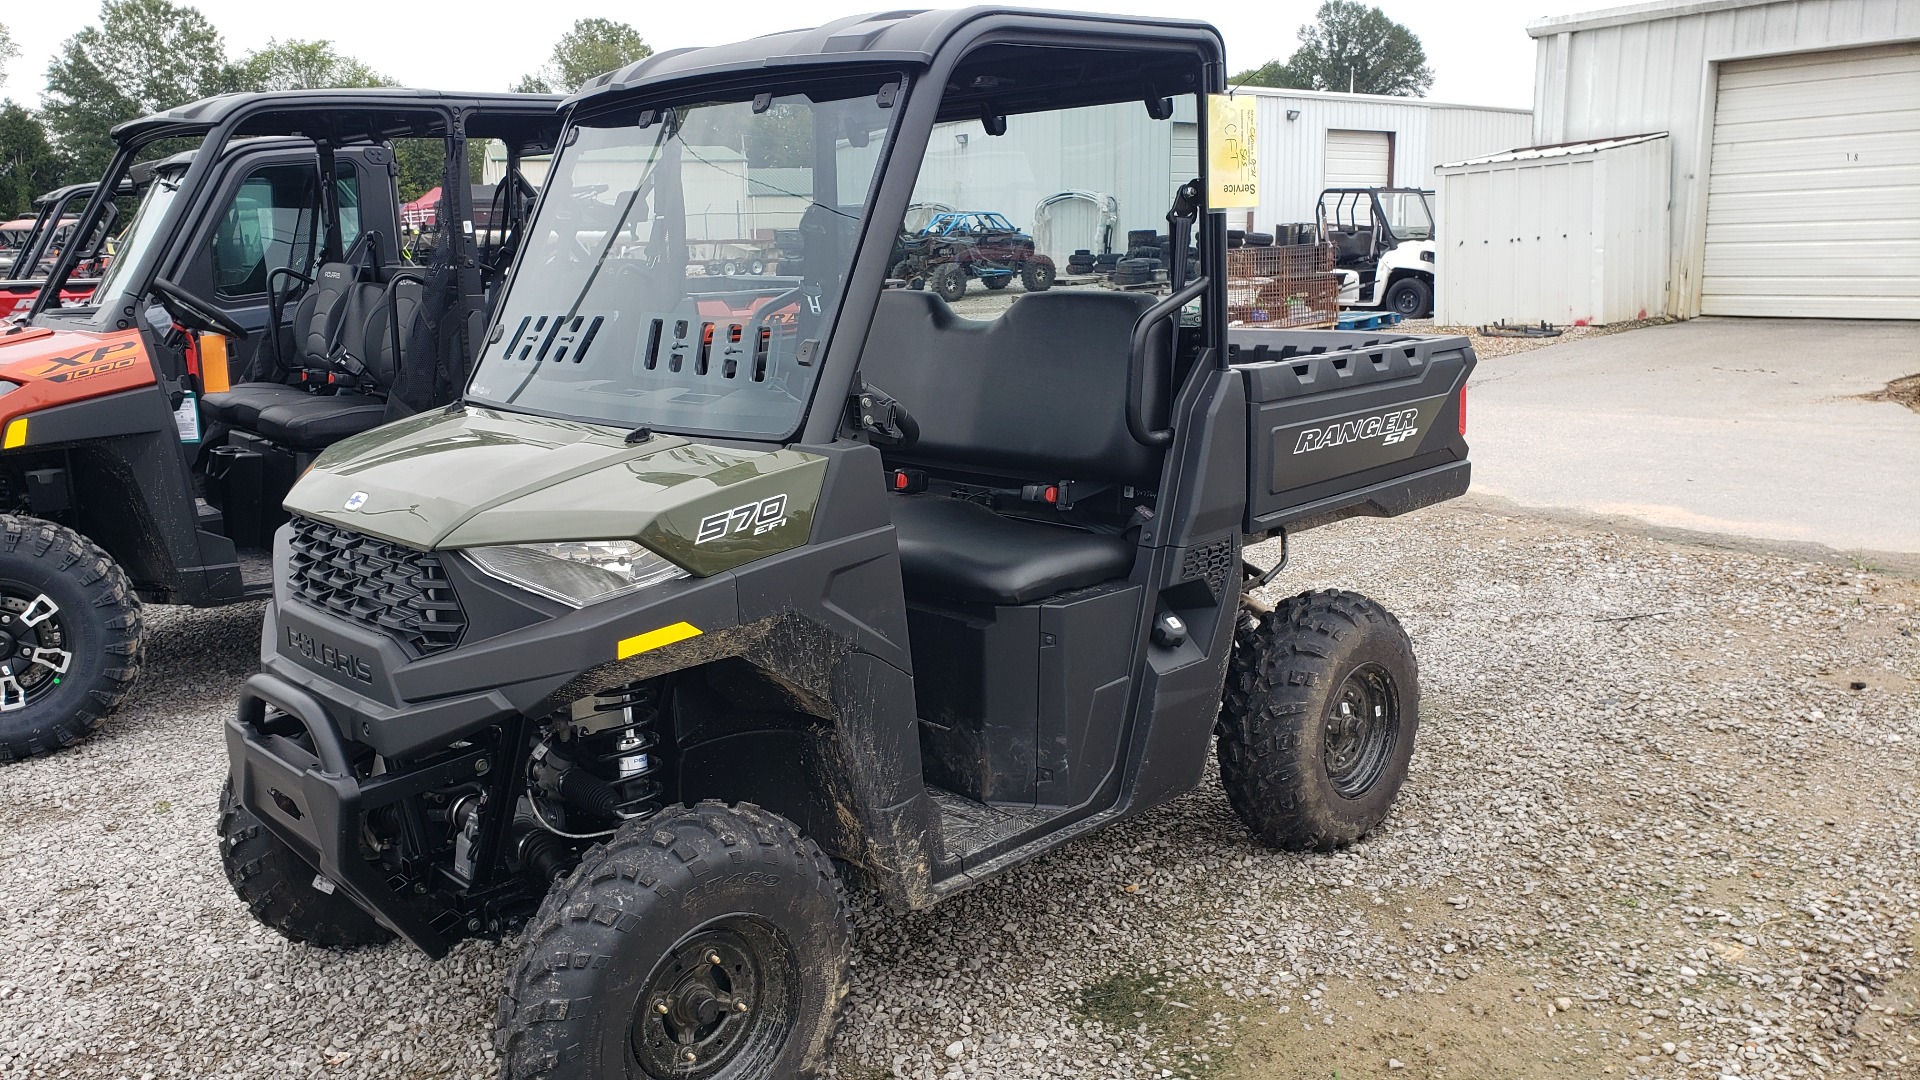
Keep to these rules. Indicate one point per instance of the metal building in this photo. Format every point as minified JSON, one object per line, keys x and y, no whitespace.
{"x":1568,"y":234}
{"x":1309,"y":140}
{"x":1795,"y":130}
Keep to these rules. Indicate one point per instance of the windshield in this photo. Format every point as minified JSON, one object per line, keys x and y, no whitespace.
{"x":153,"y":210}
{"x":683,"y":268}
{"x":1407,"y":214}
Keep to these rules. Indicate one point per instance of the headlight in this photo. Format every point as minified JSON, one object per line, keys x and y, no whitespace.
{"x":576,"y":572}
{"x":8,"y":387}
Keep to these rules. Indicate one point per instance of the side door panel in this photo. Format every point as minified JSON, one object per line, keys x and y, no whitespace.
{"x":265,"y":217}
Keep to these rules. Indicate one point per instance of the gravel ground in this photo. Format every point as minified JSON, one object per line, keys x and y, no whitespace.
{"x":1486,"y":346}
{"x":1664,"y":821}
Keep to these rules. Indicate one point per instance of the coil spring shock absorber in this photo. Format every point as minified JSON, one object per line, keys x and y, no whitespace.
{"x":628,"y":749}
{"x":604,"y":764}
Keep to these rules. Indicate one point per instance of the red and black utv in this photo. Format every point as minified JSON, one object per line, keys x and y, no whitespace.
{"x":39,"y":244}
{"x":257,"y":310}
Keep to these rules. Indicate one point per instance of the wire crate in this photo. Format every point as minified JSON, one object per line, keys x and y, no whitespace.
{"x":1282,"y":286}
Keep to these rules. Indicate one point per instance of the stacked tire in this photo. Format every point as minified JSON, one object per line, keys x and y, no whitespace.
{"x":1081,"y":262}
{"x":1135,"y":271}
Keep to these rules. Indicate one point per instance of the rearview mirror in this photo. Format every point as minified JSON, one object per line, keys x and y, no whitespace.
{"x":995,"y":123}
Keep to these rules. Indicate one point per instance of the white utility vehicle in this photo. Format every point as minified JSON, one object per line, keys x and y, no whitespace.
{"x":1383,"y":247}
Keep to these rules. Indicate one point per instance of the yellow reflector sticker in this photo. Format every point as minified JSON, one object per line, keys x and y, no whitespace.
{"x":213,"y":364}
{"x":654,"y":639}
{"x":16,"y":433}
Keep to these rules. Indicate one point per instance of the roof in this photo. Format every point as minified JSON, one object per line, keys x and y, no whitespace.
{"x":1557,"y":150}
{"x":1372,"y":99}
{"x":1634,"y":13}
{"x":899,"y":38}
{"x":383,"y":111}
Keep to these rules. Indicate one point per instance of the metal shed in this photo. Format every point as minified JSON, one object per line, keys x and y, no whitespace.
{"x":1795,"y":131}
{"x":1575,"y":233}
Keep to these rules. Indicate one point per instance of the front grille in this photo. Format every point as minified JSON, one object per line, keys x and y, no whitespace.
{"x":372,"y":581}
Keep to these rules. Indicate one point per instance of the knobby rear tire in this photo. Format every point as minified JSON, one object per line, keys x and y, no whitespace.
{"x":1277,"y":719}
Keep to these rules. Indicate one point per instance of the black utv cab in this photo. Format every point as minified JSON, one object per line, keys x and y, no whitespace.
{"x":257,"y":310}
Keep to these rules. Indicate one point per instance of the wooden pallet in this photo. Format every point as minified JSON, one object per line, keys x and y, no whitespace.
{"x":1367,"y":320}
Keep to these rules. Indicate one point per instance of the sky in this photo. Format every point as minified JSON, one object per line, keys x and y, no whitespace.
{"x":1479,"y":51}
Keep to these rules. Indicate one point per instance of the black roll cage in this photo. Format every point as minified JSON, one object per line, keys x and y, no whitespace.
{"x":865,"y":45}
{"x":329,"y":119}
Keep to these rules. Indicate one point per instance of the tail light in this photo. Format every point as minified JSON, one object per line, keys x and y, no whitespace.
{"x":1463,"y":410}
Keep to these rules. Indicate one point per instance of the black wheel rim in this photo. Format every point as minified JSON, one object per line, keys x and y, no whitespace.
{"x":720,"y":1002}
{"x":34,"y":646}
{"x":1405,"y":302}
{"x":1362,"y":725}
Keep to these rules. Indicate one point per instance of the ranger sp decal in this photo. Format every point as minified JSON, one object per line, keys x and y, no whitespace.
{"x":1390,"y":428}
{"x":752,"y":519}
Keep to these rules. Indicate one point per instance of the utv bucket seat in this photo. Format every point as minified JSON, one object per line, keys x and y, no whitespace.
{"x":347,"y":356}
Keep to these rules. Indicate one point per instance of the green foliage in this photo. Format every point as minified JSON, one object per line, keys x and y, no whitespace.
{"x":1350,"y":46}
{"x":8,"y":50}
{"x":1272,"y":73}
{"x":143,"y":56}
{"x":423,"y":164}
{"x":304,"y":65}
{"x":590,"y":47}
{"x":28,"y":163}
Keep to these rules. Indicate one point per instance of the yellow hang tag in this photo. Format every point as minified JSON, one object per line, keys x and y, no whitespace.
{"x":1233,"y":169}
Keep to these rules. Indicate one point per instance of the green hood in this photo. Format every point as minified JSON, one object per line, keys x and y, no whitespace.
{"x":482,"y":477}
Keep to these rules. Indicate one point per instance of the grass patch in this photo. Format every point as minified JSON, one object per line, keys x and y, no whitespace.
{"x":1172,"y":1015}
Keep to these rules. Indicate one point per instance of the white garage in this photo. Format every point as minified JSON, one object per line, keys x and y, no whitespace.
{"x":1813,"y":200}
{"x":1795,"y":128}
{"x":1359,"y":158}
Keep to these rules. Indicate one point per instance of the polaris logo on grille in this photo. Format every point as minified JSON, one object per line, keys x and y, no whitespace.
{"x":1390,"y":428}
{"x":327,"y":656}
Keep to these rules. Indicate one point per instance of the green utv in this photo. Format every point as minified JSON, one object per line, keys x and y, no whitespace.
{"x":714,"y":590}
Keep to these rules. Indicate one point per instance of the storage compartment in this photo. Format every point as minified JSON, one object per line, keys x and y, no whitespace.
{"x":1024,"y":704}
{"x":248,"y":479}
{"x":233,"y":485}
{"x":1344,"y":423}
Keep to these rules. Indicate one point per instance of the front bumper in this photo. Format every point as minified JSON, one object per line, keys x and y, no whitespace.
{"x":335,"y":693}
{"x":310,"y":798}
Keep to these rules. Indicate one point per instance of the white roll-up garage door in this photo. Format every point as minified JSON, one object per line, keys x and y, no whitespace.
{"x":1813,"y":202}
{"x":1359,"y":158}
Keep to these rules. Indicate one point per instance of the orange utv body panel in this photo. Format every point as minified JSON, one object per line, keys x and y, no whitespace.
{"x":59,"y":367}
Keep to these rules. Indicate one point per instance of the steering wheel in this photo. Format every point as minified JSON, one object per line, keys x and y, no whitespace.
{"x":194,"y":313}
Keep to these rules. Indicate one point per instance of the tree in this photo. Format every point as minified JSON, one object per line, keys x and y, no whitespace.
{"x":28,"y":163}
{"x":8,"y":50}
{"x":590,"y":47}
{"x":143,"y":57}
{"x":304,"y":65}
{"x":1350,"y":47}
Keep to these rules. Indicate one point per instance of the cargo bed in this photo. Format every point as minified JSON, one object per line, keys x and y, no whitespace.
{"x":1350,"y":423}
